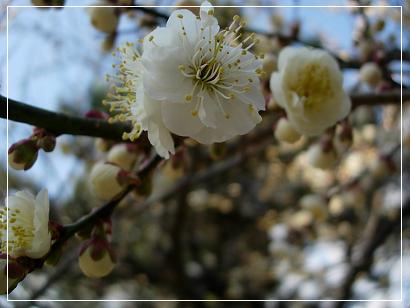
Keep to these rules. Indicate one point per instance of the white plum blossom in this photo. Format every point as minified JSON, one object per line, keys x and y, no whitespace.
{"x":193,"y":79}
{"x":309,"y":86}
{"x":28,"y":233}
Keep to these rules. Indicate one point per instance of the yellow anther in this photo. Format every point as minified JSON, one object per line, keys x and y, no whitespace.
{"x":188,"y":98}
{"x":180,"y":16}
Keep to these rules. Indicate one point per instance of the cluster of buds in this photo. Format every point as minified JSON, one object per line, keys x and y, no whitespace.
{"x":23,"y":154}
{"x":97,"y":258}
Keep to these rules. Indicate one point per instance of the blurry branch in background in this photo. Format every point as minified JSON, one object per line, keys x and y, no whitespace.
{"x":59,"y":123}
{"x":377,"y":230}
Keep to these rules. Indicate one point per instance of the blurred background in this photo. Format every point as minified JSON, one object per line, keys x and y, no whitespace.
{"x":219,"y":225}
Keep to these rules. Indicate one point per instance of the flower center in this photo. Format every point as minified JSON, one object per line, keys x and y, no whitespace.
{"x":312,"y":85}
{"x":21,"y":231}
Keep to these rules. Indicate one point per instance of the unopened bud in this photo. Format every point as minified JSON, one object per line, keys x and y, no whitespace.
{"x":104,"y":19}
{"x":315,"y":204}
{"x":96,"y":258}
{"x":22,"y":155}
{"x":301,"y":220}
{"x":371,"y":74}
{"x":104,"y":181}
{"x":285,"y":132}
{"x":320,"y":156}
{"x":122,"y":155}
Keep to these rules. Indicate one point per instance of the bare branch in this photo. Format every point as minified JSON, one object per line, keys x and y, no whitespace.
{"x":60,"y":123}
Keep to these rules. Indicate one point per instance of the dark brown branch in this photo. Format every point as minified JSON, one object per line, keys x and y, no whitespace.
{"x":60,"y":123}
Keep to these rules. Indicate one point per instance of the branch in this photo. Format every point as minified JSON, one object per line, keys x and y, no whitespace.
{"x":106,"y":209}
{"x":377,"y":230}
{"x":60,"y":123}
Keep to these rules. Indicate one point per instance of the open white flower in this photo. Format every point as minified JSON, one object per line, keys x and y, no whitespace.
{"x":309,"y":86}
{"x":197,"y":81}
{"x":28,"y":233}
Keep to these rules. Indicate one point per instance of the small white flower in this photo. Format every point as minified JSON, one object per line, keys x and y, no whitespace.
{"x":309,"y":87}
{"x":28,"y":233}
{"x":193,"y":79}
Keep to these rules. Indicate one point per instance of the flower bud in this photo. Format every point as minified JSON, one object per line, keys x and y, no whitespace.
{"x":371,"y":74}
{"x":104,"y":19}
{"x":22,"y":155}
{"x":285,"y":132}
{"x":320,"y":156}
{"x":96,"y":258}
{"x":122,"y":155}
{"x":104,"y":181}
{"x":301,"y":220}
{"x":16,"y":273}
{"x":315,"y":204}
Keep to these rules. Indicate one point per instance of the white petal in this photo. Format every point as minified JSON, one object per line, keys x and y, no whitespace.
{"x":178,"y":119}
{"x":208,"y":111}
